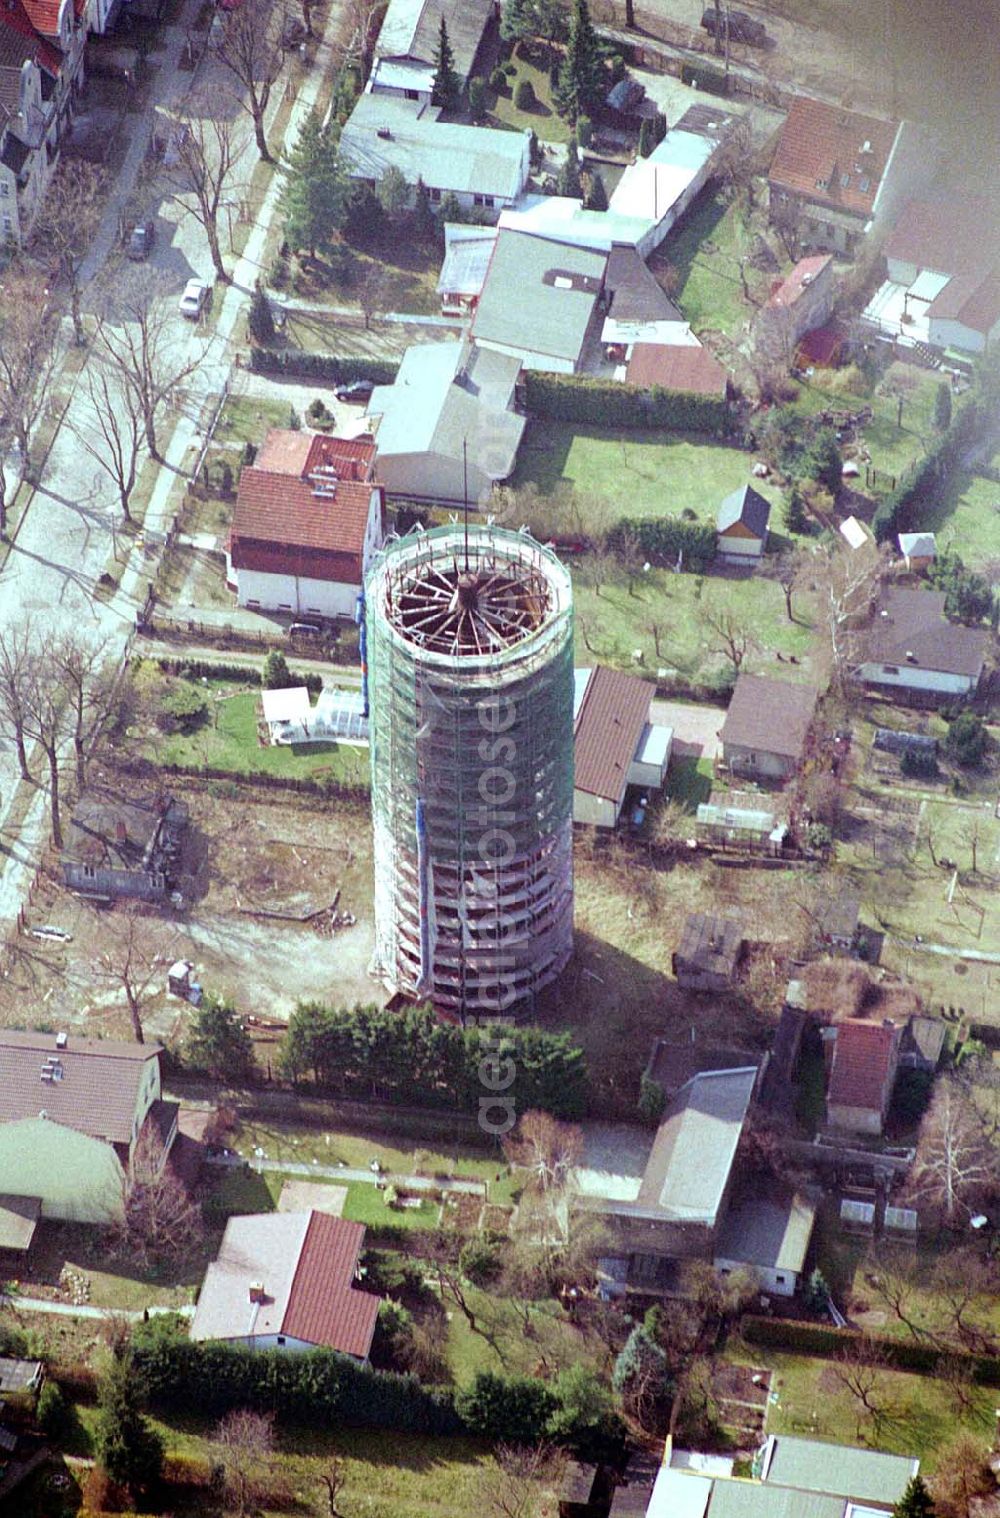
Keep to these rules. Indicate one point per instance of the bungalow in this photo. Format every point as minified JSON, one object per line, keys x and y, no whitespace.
{"x":467,"y":254}
{"x":308,"y":518}
{"x":481,"y":167}
{"x":71,"y":1114}
{"x":288,"y":1280}
{"x":741,"y":525}
{"x":659,"y":189}
{"x":767,"y":726}
{"x":541,"y":302}
{"x":864,"y":1059}
{"x":911,"y":648}
{"x":447,"y":425}
{"x":406,"y":50}
{"x":919,"y":550}
{"x":708,"y":955}
{"x":124,"y":846}
{"x":836,"y":173}
{"x":616,"y":743}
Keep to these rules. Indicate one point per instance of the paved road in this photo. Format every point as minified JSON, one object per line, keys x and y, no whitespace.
{"x":65,"y":537}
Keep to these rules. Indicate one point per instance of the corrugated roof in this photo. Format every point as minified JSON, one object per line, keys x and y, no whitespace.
{"x":467,"y":253}
{"x":539,"y":295}
{"x":97,"y":1094}
{"x":324,"y":1307}
{"x":608,"y":729}
{"x":411,"y":29}
{"x":865,"y":1475}
{"x":864,"y":1056}
{"x":305,"y":1263}
{"x":745,"y":505}
{"x":677,"y":367}
{"x":909,"y":629}
{"x":820,"y":145}
{"x":695,"y":1145}
{"x":771,"y":715}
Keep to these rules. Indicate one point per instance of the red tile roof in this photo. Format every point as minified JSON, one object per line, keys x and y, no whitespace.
{"x":820,"y":145}
{"x":324,"y":1305}
{"x":15,"y":18}
{"x":98,"y":1089}
{"x":864,"y":1059}
{"x":609,"y":724}
{"x":679,"y":367}
{"x":805,"y":273}
{"x":44,"y":14}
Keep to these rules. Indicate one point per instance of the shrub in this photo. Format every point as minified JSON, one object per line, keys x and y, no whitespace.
{"x":480,"y":1260}
{"x":507,"y":1409}
{"x":343,"y":263}
{"x":967,"y":739}
{"x":524,"y":95}
{"x":584,"y":131}
{"x":183,"y":709}
{"x":477,"y":99}
{"x":333,"y":368}
{"x":51,"y":1410}
{"x":665,"y":541}
{"x":652,"y":1099}
{"x":942,"y":406}
{"x":260,"y":322}
{"x":796,"y":519}
{"x":276,"y":675}
{"x":816,"y":1291}
{"x":498,"y":82}
{"x":826,"y":1342}
{"x":919,"y":763}
{"x":647,"y":141}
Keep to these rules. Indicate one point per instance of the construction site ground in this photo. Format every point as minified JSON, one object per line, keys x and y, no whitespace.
{"x":249,"y":854}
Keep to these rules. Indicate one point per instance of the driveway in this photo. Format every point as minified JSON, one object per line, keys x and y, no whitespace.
{"x":696,"y":727}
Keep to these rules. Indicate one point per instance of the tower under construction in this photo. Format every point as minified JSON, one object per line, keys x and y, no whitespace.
{"x":469,"y":662}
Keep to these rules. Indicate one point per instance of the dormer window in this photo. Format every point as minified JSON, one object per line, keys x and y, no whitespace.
{"x":822,"y":184}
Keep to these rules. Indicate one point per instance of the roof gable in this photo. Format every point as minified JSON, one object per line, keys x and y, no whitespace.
{"x":773,"y":716}
{"x":909,"y":630}
{"x":864,"y":1057}
{"x":748,"y":507}
{"x":94,"y":1087}
{"x":821,"y":146}
{"x":608,"y":727}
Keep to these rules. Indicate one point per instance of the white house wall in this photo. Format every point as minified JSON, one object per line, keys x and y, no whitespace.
{"x":295,"y":593}
{"x":911,"y":677}
{"x":740,"y":548}
{"x":779,"y":1283}
{"x":432,"y":477}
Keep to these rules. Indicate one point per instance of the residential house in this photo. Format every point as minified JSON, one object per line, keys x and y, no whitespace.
{"x":71,"y":1113}
{"x":919,"y":550}
{"x":408,"y":40}
{"x":124,"y":846}
{"x":480,"y":166}
{"x":63,"y":24}
{"x":660,"y":189}
{"x":942,"y":285}
{"x":798,"y":303}
{"x":767,"y":726}
{"x":308,"y":518}
{"x":447,"y":428}
{"x":33,"y":106}
{"x":836,"y":173}
{"x":791,"y":1478}
{"x":467,"y":254}
{"x":741,"y":525}
{"x":637,"y":309}
{"x":686,"y":367}
{"x":709,"y":953}
{"x":616,"y":743}
{"x":288,"y":1280}
{"x":743,"y":821}
{"x":912,"y":649}
{"x":864,"y":1059}
{"x":565,"y":219}
{"x":541,"y":302}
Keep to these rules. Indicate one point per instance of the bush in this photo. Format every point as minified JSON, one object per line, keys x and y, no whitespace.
{"x":967,"y":740}
{"x":51,"y":1410}
{"x":335,"y":369}
{"x":826,"y":1342}
{"x":260,"y":322}
{"x":183,"y":709}
{"x":796,"y":519}
{"x":506,"y":1409}
{"x":919,"y":764}
{"x":477,"y":99}
{"x":343,"y":263}
{"x":652,"y":1099}
{"x":703,"y":77}
{"x":524,"y":95}
{"x":925,"y":478}
{"x":480,"y":1260}
{"x":498,"y":82}
{"x":584,"y":131}
{"x":647,"y":141}
{"x":197,"y":669}
{"x":665,"y":540}
{"x":605,"y":403}
{"x":276,"y":675}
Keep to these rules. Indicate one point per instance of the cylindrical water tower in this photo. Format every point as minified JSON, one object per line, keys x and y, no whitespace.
{"x":470,"y":684}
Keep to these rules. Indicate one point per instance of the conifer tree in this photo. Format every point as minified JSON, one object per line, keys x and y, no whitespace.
{"x":447,"y":85}
{"x":314,"y":195}
{"x":126,"y":1447}
{"x":570,"y":182}
{"x":597,"y":195}
{"x":915,"y":1501}
{"x":582,"y":76}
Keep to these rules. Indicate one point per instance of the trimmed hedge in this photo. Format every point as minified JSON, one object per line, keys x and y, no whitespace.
{"x":606,"y":403}
{"x":313,"y":1387}
{"x":333,"y":368}
{"x":705,"y":78}
{"x":199,"y":669}
{"x":311,"y":785}
{"x":825,"y":1341}
{"x":662,"y":540}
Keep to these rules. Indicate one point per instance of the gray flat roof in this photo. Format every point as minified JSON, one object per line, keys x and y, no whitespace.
{"x":866,"y":1475}
{"x":387,"y":130}
{"x":539,"y":295}
{"x":768,"y":1231}
{"x":695,"y":1146}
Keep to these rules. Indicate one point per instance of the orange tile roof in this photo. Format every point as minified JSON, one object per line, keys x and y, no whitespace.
{"x":282,"y":526}
{"x":805,"y":273}
{"x":821,"y":145}
{"x":864,"y":1058}
{"x":679,"y":367}
{"x":14,"y":16}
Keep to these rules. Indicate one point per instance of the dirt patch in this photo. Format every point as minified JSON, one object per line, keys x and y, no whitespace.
{"x":300,"y":1196}
{"x":741,"y":1383}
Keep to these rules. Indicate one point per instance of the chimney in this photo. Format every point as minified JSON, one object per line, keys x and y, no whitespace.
{"x":256,"y":1291}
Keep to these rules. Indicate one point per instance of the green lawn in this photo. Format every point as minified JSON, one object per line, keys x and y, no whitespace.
{"x":240,"y":1191}
{"x":228,"y":740}
{"x":543,"y":120}
{"x":689,"y":781}
{"x":246,"y":419}
{"x":704,"y":253}
{"x":553,"y":1344}
{"x":636,"y":474}
{"x":332,"y":1146}
{"x":611,"y":625}
{"x":966,"y":517}
{"x":893,"y":447}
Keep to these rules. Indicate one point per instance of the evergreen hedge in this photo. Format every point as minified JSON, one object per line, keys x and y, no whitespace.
{"x":331,"y":368}
{"x":665,"y":540}
{"x":206,"y":669}
{"x":927,"y":476}
{"x":826,"y":1342}
{"x":607,"y":403}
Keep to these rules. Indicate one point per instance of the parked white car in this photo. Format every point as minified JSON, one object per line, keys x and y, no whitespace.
{"x":195,"y":299}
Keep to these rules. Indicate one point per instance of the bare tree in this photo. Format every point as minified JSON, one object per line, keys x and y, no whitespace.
{"x":47,"y":720}
{"x":736,"y":163}
{"x":17,"y":669}
{"x":511,"y":1485}
{"x":962,"y":1477}
{"x":372,"y":289}
{"x":246,"y":1443}
{"x":891,"y":1279}
{"x":79,"y":663}
{"x":159,"y":1219}
{"x":70,"y":215}
{"x":135,"y":339}
{"x":726,"y":633}
{"x":136,"y":948}
{"x":28,"y":358}
{"x":860,"y":1370}
{"x":207,"y":153}
{"x":544,"y":1150}
{"x":847,"y":585}
{"x":251,"y":49}
{"x":117,"y":443}
{"x":334,"y":1479}
{"x":786,"y":219}
{"x":955,"y":1165}
{"x":789,"y":570}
